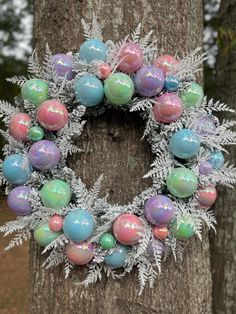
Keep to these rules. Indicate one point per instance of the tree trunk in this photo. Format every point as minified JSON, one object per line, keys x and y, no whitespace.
{"x":223,"y":244}
{"x":112,"y":147}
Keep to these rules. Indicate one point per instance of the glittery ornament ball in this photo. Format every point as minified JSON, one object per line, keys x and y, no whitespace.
{"x":55,"y":223}
{"x":205,"y":168}
{"x":160,"y":247}
{"x":159,"y":210}
{"x":44,"y":155}
{"x":168,"y":64}
{"x":63,"y":65}
{"x":18,"y":200}
{"x":193,"y":95}
{"x":19,"y":126}
{"x":93,"y":49}
{"x":35,"y":91}
{"x":182,"y":182}
{"x":43,"y":235}
{"x":16,"y":169}
{"x":167,"y":108}
{"x":107,"y":241}
{"x":55,"y":194}
{"x":184,"y":230}
{"x":36,"y":133}
{"x":217,"y":159}
{"x":206,"y":196}
{"x":80,"y":253}
{"x":131,"y":58}
{"x":117,"y":258}
{"x":78,"y":225}
{"x":104,"y":70}
{"x":160,"y":232}
{"x":184,"y":143}
{"x":171,"y":83}
{"x":149,"y":81}
{"x":204,"y":125}
{"x":52,"y":115}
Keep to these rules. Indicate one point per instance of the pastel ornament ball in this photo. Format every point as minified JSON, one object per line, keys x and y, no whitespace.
{"x":167,"y":108}
{"x":55,"y":194}
{"x":171,"y":83}
{"x":80,"y":253}
{"x":217,"y":159}
{"x":160,"y":232}
{"x":17,"y":169}
{"x":18,"y":200}
{"x":43,"y":234}
{"x":193,"y":95}
{"x":159,"y":247}
{"x":63,"y":65}
{"x":205,"y":168}
{"x":168,"y":64}
{"x":131,"y":58}
{"x":36,"y":133}
{"x":183,"y":229}
{"x":104,"y":70}
{"x":52,"y":115}
{"x":206,"y":196}
{"x":78,"y":225}
{"x":55,"y":223}
{"x":184,"y":143}
{"x":19,"y":126}
{"x":182,"y":182}
{"x":117,"y":258}
{"x":107,"y":241}
{"x":89,"y":90}
{"x":35,"y":91}
{"x":93,"y":50}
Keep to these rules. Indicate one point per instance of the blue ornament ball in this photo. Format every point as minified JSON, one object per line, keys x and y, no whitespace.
{"x":78,"y":225}
{"x":117,"y":258}
{"x":89,"y":90}
{"x":93,"y":49}
{"x":217,"y":160}
{"x":17,"y":169}
{"x":171,"y":83}
{"x":184,"y":143}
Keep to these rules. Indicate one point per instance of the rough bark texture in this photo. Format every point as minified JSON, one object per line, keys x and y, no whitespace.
{"x":223,"y":244}
{"x":113,"y":147}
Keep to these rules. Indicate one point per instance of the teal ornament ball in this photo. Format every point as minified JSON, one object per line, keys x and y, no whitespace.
{"x":107,"y":241}
{"x":184,"y":143}
{"x":89,"y":91}
{"x":36,"y":133}
{"x":119,"y":88}
{"x":171,"y":83}
{"x":182,"y":182}
{"x":117,"y":258}
{"x":93,"y":49}
{"x":43,"y":234}
{"x":35,"y":91}
{"x":184,"y":230}
{"x":217,"y":160}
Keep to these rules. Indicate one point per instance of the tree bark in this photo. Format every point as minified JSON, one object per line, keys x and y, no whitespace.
{"x":223,"y":244}
{"x":112,"y":147}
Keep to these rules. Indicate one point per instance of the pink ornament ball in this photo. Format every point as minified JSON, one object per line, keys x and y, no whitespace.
{"x":160,"y":232}
{"x":128,"y":229}
{"x":167,"y":64}
{"x":131,"y":58}
{"x":55,"y":223}
{"x":19,"y":126}
{"x":168,"y":108}
{"x":207,"y":196}
{"x":52,"y":115}
{"x":104,"y":70}
{"x":80,"y":253}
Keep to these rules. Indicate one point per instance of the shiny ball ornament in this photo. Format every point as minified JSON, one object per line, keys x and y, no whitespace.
{"x":184,"y":231}
{"x":117,"y":258}
{"x":131,"y":58}
{"x":204,"y":125}
{"x":159,"y":246}
{"x":160,"y":232}
{"x":217,"y":159}
{"x":36,"y":133}
{"x":128,"y":229}
{"x":55,"y":194}
{"x":43,"y":235}
{"x":35,"y":91}
{"x":107,"y":241}
{"x":80,"y":253}
{"x":78,"y":225}
{"x":159,"y":210}
{"x":19,"y":126}
{"x":52,"y":115}
{"x":119,"y":88}
{"x":184,"y":143}
{"x":89,"y":91}
{"x":182,"y":182}
{"x":167,"y":64}
{"x":44,"y":155}
{"x":149,"y":81}
{"x":55,"y":223}
{"x":205,"y":168}
{"x":16,"y":169}
{"x":63,"y":65}
{"x":18,"y":200}
{"x":167,"y":108}
{"x":193,"y":95}
{"x":104,"y":70}
{"x":171,"y":83}
{"x":206,"y":196}
{"x":93,"y":49}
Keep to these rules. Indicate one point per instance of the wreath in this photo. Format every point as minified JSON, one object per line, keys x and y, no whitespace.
{"x":73,"y":224}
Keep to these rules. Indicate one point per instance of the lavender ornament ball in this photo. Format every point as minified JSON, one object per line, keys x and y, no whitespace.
{"x":18,"y":200}
{"x":62,"y":65}
{"x":205,"y":168}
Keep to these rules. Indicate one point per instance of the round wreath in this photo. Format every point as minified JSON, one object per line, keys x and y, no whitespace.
{"x":186,"y":140}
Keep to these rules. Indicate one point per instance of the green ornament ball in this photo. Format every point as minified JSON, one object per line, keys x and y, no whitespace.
{"x":43,"y":234}
{"x":55,"y":194}
{"x":107,"y":241}
{"x":36,"y":133}
{"x":119,"y":88}
{"x":182,"y":182}
{"x":184,"y":231}
{"x":35,"y":91}
{"x":193,"y":96}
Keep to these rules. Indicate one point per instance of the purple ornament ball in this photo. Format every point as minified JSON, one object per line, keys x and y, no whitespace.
{"x":63,"y":65}
{"x":159,"y":246}
{"x":205,"y":168}
{"x":18,"y":200}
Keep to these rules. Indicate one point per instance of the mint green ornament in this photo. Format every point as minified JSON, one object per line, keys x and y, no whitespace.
{"x":36,"y":133}
{"x":119,"y":88}
{"x":193,"y":95}
{"x":35,"y":91}
{"x":107,"y":241}
{"x":182,"y":182}
{"x":55,"y":194}
{"x":43,"y":234}
{"x":185,"y":230}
